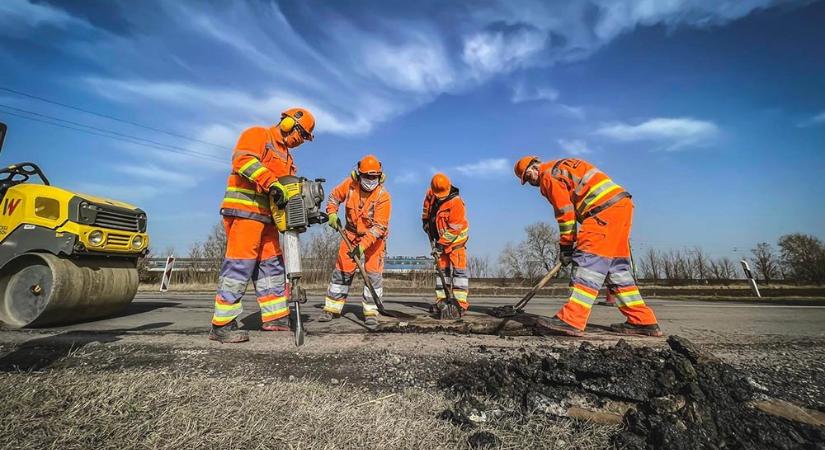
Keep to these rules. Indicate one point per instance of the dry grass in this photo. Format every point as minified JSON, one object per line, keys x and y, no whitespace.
{"x":79,"y":409}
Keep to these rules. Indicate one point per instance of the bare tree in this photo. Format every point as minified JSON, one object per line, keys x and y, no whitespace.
{"x":533,"y":256}
{"x":511,"y":262}
{"x":542,"y":244}
{"x":765,"y":261}
{"x":700,"y":263}
{"x":722,"y":269}
{"x":319,"y":249}
{"x":651,"y":265}
{"x":804,"y":257}
{"x":478,"y":266}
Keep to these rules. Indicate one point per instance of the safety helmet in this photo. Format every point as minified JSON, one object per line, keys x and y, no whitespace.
{"x":522,"y":165}
{"x":440,"y":185}
{"x":300,"y":118}
{"x":369,"y":165}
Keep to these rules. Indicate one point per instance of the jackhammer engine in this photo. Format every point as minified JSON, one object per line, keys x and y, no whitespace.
{"x":302,"y":210}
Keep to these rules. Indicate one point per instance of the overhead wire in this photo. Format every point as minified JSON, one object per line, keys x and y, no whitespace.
{"x":97,"y":131}
{"x":106,"y":116}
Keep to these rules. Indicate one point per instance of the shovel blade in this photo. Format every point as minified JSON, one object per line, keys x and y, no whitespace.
{"x":504,"y":311}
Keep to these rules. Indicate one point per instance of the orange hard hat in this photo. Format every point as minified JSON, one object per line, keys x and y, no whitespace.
{"x":522,"y":165}
{"x":440,"y":185}
{"x":300,"y":117}
{"x":369,"y":165}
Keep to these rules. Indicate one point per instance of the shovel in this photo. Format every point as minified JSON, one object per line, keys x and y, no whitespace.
{"x":449,"y":309}
{"x":518,"y":308}
{"x":376,"y":299}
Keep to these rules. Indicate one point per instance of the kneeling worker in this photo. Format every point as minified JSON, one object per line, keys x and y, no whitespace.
{"x":444,"y":220}
{"x":367,"y":208}
{"x":581,"y":193}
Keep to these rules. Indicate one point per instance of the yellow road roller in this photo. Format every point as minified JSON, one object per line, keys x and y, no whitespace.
{"x":64,"y":256}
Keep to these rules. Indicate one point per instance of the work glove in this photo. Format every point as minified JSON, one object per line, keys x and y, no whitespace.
{"x":357,"y":252}
{"x":439,"y":247}
{"x":565,"y":254}
{"x":425,"y":225}
{"x":333,"y":222}
{"x":279,"y":194}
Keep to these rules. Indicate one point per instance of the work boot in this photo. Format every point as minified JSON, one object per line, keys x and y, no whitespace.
{"x":557,"y":326}
{"x":371,"y":322}
{"x":281,"y":324}
{"x":639,"y":330}
{"x":228,"y":334}
{"x":327,"y":316}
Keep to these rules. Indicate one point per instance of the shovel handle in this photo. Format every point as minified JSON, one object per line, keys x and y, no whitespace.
{"x":546,"y":279}
{"x":362,"y":271}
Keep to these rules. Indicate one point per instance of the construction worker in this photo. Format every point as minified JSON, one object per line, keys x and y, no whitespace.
{"x":367,"y":204}
{"x":599,"y":250}
{"x":445,"y":221}
{"x":253,"y":251}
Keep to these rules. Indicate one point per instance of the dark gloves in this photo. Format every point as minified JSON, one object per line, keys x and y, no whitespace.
{"x":278,"y":193}
{"x":565,"y":254}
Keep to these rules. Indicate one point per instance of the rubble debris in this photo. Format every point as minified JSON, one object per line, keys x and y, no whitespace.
{"x":678,"y":397}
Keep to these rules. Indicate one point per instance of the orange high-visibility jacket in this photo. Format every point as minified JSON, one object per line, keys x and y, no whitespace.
{"x":259,"y":159}
{"x":447,"y":218}
{"x":368,"y":213}
{"x":577,"y":190}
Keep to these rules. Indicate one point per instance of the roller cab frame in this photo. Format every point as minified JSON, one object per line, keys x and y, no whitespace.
{"x":64,"y":256}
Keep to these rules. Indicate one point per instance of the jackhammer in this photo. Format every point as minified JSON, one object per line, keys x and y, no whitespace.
{"x":301,"y":210}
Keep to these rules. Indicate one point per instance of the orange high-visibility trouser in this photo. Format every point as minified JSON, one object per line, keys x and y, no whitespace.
{"x":602,"y":256}
{"x":252,"y":253}
{"x":454,"y":266}
{"x":345,"y":271}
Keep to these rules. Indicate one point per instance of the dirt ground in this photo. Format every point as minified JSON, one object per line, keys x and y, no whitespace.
{"x":150,"y":379}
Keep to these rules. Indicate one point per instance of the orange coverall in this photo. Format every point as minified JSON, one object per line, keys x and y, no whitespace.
{"x":448,"y":226}
{"x":581,"y":193}
{"x":253,"y":250}
{"x":368,"y":221}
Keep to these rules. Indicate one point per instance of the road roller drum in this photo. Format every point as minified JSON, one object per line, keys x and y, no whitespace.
{"x":44,"y":289}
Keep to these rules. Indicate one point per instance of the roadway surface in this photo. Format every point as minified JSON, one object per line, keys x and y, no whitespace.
{"x":709,"y":321}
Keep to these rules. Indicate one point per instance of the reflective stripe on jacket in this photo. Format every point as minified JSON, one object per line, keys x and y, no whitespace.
{"x":447,"y":218}
{"x":574,"y":187}
{"x":260,"y":157}
{"x":367,"y":213}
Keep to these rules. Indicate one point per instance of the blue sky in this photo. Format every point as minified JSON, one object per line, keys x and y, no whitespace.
{"x":712,"y":113}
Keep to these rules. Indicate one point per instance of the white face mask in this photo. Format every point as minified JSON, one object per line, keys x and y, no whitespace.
{"x":369,"y":185}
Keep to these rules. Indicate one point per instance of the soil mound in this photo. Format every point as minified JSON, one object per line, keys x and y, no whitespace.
{"x":678,"y":397}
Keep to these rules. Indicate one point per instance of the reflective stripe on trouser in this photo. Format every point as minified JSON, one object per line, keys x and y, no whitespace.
{"x":603,"y":255}
{"x":454,"y":266}
{"x":338,"y":291}
{"x":344,"y":272}
{"x":252,"y":253}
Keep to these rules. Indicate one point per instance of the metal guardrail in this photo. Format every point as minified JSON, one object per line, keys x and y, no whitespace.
{"x":397,"y":264}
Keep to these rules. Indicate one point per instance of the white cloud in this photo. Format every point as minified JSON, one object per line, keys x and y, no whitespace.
{"x":575,"y":147}
{"x":492,"y":52}
{"x":485,"y":168}
{"x":523,"y":92}
{"x":675,"y":133}
{"x":407,"y":177}
{"x":816,"y":120}
{"x":17,"y":15}
{"x":162,"y":177}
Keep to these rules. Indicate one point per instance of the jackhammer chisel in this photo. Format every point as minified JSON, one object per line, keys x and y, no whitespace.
{"x":360,"y":265}
{"x":518,"y":308}
{"x":449,"y":309}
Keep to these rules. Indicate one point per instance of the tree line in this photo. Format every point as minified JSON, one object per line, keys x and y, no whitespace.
{"x":796,"y":258}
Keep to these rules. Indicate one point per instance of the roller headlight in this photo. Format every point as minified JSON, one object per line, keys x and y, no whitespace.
{"x":96,"y":238}
{"x":137,"y":242}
